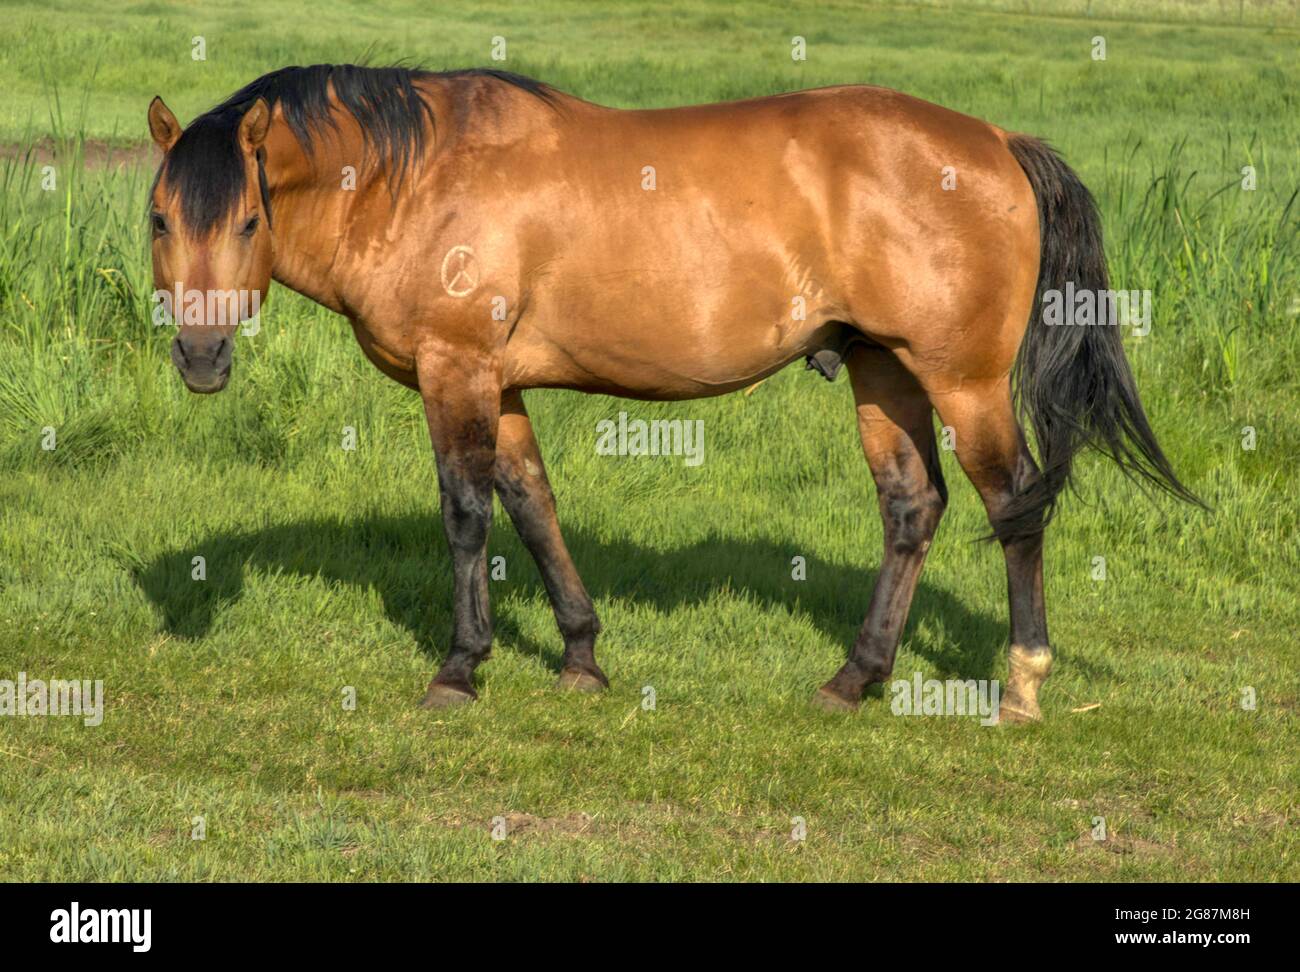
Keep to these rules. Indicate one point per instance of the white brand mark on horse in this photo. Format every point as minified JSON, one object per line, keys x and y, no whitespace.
{"x":459,"y":271}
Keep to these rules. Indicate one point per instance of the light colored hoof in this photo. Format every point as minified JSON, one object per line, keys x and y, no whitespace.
{"x":442,"y":696}
{"x":1026,"y":672}
{"x":1015,"y":711}
{"x":825,"y":699}
{"x":571,"y":681}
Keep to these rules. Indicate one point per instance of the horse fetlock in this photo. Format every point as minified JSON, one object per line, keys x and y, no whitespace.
{"x":578,"y":627}
{"x":866,"y":671}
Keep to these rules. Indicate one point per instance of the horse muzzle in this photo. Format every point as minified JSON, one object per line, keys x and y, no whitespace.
{"x":204,"y":366}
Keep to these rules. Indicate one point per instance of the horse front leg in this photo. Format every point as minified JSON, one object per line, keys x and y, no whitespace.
{"x":526,"y":495}
{"x":462,"y":402}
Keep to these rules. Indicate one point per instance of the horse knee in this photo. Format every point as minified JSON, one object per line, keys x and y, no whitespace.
{"x":911,"y":518}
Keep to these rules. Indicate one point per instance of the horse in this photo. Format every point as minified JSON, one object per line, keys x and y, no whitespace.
{"x":486,"y":233}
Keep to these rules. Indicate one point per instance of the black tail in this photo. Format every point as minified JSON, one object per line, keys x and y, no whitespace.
{"x":1073,"y":383}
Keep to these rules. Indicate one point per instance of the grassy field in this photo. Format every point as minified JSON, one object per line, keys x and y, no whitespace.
{"x":327,"y":570}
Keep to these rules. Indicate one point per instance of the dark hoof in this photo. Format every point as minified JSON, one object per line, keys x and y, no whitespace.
{"x":575,"y":681}
{"x":442,"y":696}
{"x":824,"y":698}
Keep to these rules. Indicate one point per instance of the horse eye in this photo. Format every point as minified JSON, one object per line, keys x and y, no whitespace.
{"x":250,"y":227}
{"x":159,"y":224}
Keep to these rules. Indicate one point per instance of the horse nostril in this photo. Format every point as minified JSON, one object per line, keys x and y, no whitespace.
{"x":221,"y":358}
{"x":180,"y":357}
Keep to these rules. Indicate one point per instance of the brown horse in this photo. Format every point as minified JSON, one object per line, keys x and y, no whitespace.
{"x":485,"y":234}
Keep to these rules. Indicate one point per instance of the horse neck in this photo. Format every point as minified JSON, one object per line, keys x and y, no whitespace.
{"x":309,"y":206}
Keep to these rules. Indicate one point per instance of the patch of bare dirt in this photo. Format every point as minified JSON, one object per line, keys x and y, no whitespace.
{"x":163,"y":837}
{"x":1118,"y":844}
{"x":94,"y":153}
{"x":575,"y":824}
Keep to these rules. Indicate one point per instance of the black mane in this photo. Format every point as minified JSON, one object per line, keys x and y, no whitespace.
{"x":204,"y":165}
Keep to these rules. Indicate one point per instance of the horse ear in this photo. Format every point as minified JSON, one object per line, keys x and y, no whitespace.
{"x":163,"y":125}
{"x":253,"y":126}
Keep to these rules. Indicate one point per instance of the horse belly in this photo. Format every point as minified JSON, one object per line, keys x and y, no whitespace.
{"x":657,"y":333}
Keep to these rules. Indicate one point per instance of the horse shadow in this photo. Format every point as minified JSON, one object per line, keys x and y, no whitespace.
{"x":404,"y":560}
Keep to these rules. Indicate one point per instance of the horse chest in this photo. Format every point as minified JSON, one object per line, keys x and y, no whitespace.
{"x":399,"y":367}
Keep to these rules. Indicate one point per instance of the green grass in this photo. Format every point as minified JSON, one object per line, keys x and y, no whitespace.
{"x":327,"y":568}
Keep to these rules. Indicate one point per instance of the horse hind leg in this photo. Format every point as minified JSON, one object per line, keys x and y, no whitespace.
{"x":991,"y":448}
{"x":897,"y":430}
